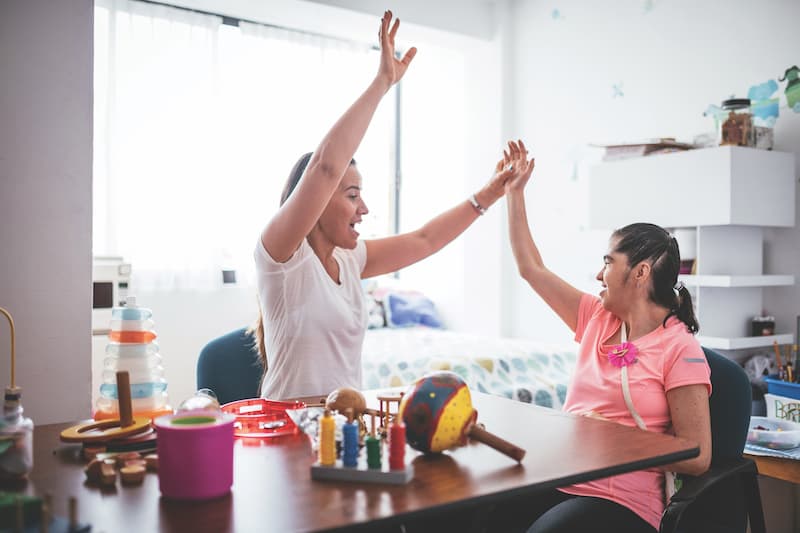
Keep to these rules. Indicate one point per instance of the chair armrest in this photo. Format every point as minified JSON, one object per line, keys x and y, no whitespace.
{"x":693,"y":486}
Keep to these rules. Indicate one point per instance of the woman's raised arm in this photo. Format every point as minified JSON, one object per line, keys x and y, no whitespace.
{"x":562,"y":297}
{"x":297,"y":216}
{"x":399,"y":251}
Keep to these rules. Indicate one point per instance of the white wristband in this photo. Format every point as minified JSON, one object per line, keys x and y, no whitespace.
{"x":478,"y":207}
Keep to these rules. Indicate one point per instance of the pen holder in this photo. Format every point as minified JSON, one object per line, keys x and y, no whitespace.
{"x":195,"y":454}
{"x":782,"y":388}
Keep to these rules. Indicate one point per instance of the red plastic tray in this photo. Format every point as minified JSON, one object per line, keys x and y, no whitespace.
{"x":257,"y":417}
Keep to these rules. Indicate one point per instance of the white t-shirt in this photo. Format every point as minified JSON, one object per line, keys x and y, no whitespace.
{"x":313,"y":327}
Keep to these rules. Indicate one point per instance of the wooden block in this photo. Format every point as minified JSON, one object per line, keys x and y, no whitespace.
{"x":132,"y":475}
{"x":361,"y":474}
{"x":93,"y":469}
{"x":126,"y":456}
{"x":90,"y":452}
{"x":136,"y":462}
{"x":152,"y":462}
{"x":108,"y":474}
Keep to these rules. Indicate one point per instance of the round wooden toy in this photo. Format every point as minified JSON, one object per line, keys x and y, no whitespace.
{"x":106,"y":430}
{"x":346,"y":398}
{"x":438,"y":415}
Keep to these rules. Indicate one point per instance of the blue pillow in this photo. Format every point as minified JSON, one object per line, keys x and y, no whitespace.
{"x":403,"y":310}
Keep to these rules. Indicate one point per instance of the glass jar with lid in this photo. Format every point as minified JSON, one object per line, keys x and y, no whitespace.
{"x":736,"y":124}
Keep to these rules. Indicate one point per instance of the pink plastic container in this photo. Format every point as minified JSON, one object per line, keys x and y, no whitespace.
{"x":195,"y":454}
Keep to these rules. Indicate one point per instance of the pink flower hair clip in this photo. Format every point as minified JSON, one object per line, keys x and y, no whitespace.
{"x":623,"y":354}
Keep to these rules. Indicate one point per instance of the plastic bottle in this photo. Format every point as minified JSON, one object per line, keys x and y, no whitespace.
{"x":132,"y":347}
{"x":16,"y":438}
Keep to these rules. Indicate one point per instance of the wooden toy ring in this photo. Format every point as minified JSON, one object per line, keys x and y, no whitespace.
{"x":111,"y":429}
{"x":104,"y":430}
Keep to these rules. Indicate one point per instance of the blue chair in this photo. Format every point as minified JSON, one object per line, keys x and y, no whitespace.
{"x":230,"y":367}
{"x":725,"y":497}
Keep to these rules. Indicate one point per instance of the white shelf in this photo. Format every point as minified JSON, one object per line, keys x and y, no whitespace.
{"x":728,"y":194}
{"x":709,"y":280}
{"x":726,"y":185}
{"x":738,"y":343}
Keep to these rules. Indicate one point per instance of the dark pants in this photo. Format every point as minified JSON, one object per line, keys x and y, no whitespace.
{"x":556,"y":512}
{"x":548,"y":512}
{"x":578,"y":514}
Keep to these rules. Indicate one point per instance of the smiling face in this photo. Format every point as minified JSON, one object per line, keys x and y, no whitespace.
{"x":619,"y":286}
{"x":344,"y":211}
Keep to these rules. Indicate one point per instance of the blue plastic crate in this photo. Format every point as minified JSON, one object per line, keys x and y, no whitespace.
{"x":782,"y":388}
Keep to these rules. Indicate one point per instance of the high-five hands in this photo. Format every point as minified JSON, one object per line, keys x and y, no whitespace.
{"x":516,"y":166}
{"x":392,"y":69}
{"x":511,"y":172}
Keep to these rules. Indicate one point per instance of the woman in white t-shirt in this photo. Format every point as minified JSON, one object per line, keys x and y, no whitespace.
{"x":310,"y":261}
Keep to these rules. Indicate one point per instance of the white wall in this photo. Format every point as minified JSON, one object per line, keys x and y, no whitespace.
{"x":475,"y":18}
{"x":46,"y":202}
{"x":670,"y":61}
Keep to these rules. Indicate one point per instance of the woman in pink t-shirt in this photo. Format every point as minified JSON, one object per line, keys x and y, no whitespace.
{"x":667,"y":373}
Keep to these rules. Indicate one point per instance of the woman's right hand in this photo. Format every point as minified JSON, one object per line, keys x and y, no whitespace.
{"x":391,"y":69}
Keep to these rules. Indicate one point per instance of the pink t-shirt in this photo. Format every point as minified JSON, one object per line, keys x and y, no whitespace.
{"x":669,"y":357}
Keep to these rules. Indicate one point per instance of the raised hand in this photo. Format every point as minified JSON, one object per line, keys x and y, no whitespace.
{"x":392,"y":69}
{"x":517,"y":166}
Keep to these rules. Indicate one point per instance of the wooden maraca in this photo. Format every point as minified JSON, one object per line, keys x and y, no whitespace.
{"x":438,"y":415}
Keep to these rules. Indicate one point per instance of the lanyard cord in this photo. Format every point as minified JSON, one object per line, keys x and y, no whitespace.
{"x":626,"y":390}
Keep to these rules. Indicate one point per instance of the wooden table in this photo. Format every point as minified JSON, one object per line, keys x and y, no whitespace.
{"x":777,"y":467}
{"x":273,"y":491}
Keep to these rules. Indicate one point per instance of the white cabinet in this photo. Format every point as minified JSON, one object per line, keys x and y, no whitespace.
{"x":728,"y":194}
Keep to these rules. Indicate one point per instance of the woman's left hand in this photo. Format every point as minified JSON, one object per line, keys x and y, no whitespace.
{"x":392,"y":69}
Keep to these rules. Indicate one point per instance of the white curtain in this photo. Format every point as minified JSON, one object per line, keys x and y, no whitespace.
{"x":197,"y":125}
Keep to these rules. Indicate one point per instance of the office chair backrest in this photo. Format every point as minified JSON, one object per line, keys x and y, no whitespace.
{"x":229,"y":366}
{"x":730,"y":404}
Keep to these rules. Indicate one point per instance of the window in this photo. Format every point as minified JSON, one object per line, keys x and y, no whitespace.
{"x":197,"y":125}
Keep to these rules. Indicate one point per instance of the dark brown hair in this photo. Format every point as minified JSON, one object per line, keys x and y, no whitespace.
{"x":648,"y":242}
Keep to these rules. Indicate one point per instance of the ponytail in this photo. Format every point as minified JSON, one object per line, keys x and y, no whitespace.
{"x":684,"y":309}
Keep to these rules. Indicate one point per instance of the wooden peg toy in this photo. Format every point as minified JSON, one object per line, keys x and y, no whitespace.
{"x":438,"y":416}
{"x":356,"y":468}
{"x":107,"y":430}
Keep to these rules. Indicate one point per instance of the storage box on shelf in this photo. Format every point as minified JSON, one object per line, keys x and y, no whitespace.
{"x":728,"y":194}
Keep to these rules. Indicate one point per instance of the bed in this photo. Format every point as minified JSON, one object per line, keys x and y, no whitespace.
{"x":524,"y":370}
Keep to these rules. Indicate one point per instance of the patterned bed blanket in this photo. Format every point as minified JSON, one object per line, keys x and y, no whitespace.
{"x":524,"y":370}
